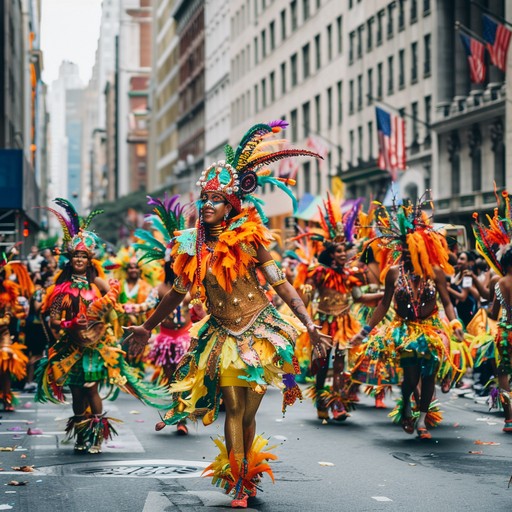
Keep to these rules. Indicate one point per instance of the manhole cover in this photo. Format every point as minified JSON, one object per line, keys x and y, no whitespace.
{"x":167,"y":468}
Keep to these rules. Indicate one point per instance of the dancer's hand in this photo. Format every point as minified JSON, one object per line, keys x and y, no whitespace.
{"x":356,"y":340}
{"x":321,"y":342}
{"x":138,"y":337}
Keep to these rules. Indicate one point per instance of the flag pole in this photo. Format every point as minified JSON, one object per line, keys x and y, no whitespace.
{"x":459,"y":26}
{"x":401,"y":114}
{"x":490,"y":13}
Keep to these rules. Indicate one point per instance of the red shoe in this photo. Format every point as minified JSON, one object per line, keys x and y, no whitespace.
{"x":182,"y":429}
{"x":423,"y":433}
{"x":8,"y":408}
{"x":159,"y":426}
{"x":240,"y":501}
{"x":446,"y":384}
{"x":508,"y":426}
{"x":379,"y":403}
{"x":340,"y":415}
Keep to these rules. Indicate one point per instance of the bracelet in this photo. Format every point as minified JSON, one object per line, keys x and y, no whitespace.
{"x":455,"y":324}
{"x":306,"y":288}
{"x":366,"y":330}
{"x":310,"y":326}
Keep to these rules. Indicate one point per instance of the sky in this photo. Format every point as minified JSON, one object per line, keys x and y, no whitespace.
{"x":69,"y":31}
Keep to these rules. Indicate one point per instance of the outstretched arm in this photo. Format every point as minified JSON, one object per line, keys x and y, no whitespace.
{"x":140,"y":334}
{"x":290,"y":296}
{"x":442,"y":289}
{"x":381,"y":309}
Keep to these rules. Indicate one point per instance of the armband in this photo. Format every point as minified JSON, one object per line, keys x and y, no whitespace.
{"x":273,"y":274}
{"x":366,"y":330}
{"x":179,"y":286}
{"x":306,"y":289}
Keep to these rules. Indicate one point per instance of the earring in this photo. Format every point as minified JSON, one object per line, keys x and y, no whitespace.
{"x":226,"y":215}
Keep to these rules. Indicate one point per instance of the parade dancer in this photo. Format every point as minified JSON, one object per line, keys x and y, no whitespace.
{"x":418,"y":259}
{"x":243,"y":345}
{"x":495,"y":244}
{"x":335,"y":285}
{"x":13,"y":361}
{"x":86,"y":355}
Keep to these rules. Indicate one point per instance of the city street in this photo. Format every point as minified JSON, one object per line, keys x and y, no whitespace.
{"x":365,"y":464}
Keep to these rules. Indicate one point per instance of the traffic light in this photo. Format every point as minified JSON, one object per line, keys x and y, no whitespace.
{"x":26,"y":231}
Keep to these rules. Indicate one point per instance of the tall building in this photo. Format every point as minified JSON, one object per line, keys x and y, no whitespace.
{"x":163,"y":149}
{"x":217,"y":79}
{"x":470,"y":120}
{"x":133,"y":73}
{"x":59,"y":184}
{"x":190,"y":18}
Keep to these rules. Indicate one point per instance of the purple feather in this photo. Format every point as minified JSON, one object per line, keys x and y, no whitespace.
{"x":289,"y":380}
{"x":350,"y":220}
{"x":281,"y":123}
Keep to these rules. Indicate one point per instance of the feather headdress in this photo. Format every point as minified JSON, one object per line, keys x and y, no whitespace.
{"x":75,"y":237}
{"x":408,"y":227}
{"x":494,"y":240}
{"x":168,"y":217}
{"x":246,"y":167}
{"x":335,"y":226}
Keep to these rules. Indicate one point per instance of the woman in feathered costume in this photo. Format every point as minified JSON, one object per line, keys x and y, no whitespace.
{"x":243,"y":345}
{"x":494,"y":243}
{"x":86,"y":355}
{"x":335,"y":284}
{"x":418,"y":260}
{"x":13,"y":361}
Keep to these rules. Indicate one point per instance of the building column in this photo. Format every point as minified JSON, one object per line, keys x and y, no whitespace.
{"x":461,"y":74}
{"x":444,"y":57}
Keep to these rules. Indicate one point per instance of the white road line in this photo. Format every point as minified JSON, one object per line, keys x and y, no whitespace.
{"x":156,"y":502}
{"x":381,"y":498}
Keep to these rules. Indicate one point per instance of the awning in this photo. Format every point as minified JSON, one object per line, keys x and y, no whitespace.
{"x":310,"y":211}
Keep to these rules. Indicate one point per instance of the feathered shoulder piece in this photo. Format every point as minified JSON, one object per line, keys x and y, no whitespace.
{"x":9,"y":297}
{"x":494,"y":240}
{"x":167,"y":218}
{"x":234,"y":253}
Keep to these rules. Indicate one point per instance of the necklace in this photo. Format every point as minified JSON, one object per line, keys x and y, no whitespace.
{"x":414,"y":297}
{"x":215,"y":231}
{"x":79,"y":281}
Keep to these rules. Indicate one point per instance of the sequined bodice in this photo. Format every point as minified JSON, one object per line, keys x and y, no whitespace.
{"x":332,"y":302}
{"x":412,"y":294}
{"x":237,"y":310}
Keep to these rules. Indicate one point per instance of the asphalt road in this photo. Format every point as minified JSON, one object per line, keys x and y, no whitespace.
{"x":364,"y":464}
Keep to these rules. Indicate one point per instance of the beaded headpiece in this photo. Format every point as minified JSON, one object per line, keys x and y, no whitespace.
{"x":168,"y":217}
{"x":244,"y":170}
{"x":493,"y":241}
{"x":76,"y":237}
{"x":408,"y":227}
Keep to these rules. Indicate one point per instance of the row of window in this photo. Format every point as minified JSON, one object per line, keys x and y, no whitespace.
{"x":242,"y":17}
{"x":379,"y":89}
{"x":413,"y":9}
{"x":265,"y":43}
{"x":356,"y":36}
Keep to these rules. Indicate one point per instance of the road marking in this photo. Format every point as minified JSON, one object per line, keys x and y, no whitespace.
{"x":381,"y":498}
{"x":156,"y":502}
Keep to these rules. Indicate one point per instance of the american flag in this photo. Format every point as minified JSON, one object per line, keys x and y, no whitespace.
{"x":475,"y":51}
{"x":318,"y":146}
{"x":391,"y":133}
{"x":497,"y":38}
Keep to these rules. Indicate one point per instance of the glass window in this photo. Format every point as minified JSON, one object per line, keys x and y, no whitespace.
{"x":263,"y":44}
{"x":263,"y":93}
{"x":401,"y":15}
{"x":305,"y":9}
{"x":369,"y":95}
{"x":272,"y":86}
{"x":369,"y":34}
{"x":295,"y":18}
{"x":352,"y":38}
{"x":272,"y":30}
{"x":391,"y":84}
{"x":360,"y":41}
{"x":329,"y":108}
{"x":414,"y":11}
{"x":390,"y":20}
{"x":294,"y":124}
{"x":427,"y":55}
{"x":370,"y":140}
{"x":293,"y":64}
{"x":318,"y":52}
{"x":283,"y":78}
{"x":379,"y":80}
{"x":306,"y":118}
{"x":318,"y":127}
{"x":401,"y":69}
{"x":283,"y":24}
{"x":329,"y":42}
{"x":414,"y":62}
{"x":339,"y":87}
{"x":351,"y":97}
{"x":339,"y":31}
{"x":359,"y":92}
{"x":380,"y":28}
{"x":305,"y":60}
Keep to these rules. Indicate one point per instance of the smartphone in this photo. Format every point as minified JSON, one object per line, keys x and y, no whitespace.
{"x":467,"y":282}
